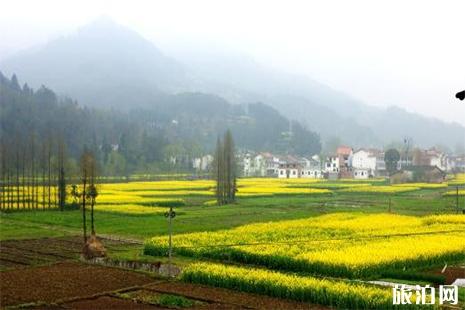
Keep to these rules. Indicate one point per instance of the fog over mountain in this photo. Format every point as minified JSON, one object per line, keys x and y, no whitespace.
{"x":107,"y":65}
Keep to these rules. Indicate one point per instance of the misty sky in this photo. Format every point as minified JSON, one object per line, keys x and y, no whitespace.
{"x":405,"y":53}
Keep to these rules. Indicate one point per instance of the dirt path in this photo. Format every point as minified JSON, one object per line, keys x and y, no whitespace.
{"x":29,"y":252}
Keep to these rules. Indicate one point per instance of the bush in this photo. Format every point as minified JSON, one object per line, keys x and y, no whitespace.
{"x":173,"y":301}
{"x":72,"y":206}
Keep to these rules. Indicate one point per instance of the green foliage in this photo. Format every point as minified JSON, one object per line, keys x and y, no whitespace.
{"x":173,"y":301}
{"x":172,"y":203}
{"x":338,"y":294}
{"x":413,"y":275}
{"x":164,"y":136}
{"x":71,"y":206}
{"x":391,"y":158}
{"x":224,"y":171}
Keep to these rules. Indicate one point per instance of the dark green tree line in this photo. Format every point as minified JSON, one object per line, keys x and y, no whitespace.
{"x":165,"y":136}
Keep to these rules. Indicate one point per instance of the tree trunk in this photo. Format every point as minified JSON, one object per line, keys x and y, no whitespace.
{"x":84,"y":228}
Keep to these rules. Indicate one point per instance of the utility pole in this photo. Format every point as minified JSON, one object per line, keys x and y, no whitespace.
{"x":170,"y":215}
{"x":407,"y":143}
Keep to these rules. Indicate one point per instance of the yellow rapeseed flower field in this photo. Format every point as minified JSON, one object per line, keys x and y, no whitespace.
{"x":344,"y":244}
{"x":458,"y":179}
{"x":461,"y":192}
{"x":276,"y":190}
{"x":130,"y":209}
{"x":338,"y":294}
{"x":423,"y":185}
{"x":380,"y":189}
{"x":152,"y":193}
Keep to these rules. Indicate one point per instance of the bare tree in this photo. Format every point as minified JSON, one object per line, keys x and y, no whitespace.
{"x":17,"y":178}
{"x":61,"y":176}
{"x":87,"y":163}
{"x":2,"y":175}
{"x":218,"y":172}
{"x":44,"y":174}
{"x":49,"y":166}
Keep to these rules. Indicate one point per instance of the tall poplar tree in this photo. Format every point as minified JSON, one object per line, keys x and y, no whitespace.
{"x":61,"y":175}
{"x":225,"y":170}
{"x":230,"y":167}
{"x":86,"y":164}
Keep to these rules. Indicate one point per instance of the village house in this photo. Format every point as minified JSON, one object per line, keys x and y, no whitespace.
{"x":331,"y":167}
{"x":289,"y":170}
{"x":339,"y":165}
{"x":345,"y":163}
{"x":368,"y":163}
{"x":271,"y":164}
{"x":331,"y":164}
{"x":202,"y":163}
{"x":294,"y":167}
{"x":260,"y":165}
{"x":345,"y":153}
{"x":431,"y":157}
{"x":248,"y":168}
{"x":312,"y":168}
{"x":456,"y":163}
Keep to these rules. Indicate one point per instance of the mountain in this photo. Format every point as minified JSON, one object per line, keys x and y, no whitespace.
{"x":105,"y":64}
{"x":321,"y":108}
{"x":102,"y":64}
{"x":181,"y":125}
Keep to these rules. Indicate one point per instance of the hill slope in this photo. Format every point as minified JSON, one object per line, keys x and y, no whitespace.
{"x":105,"y":64}
{"x":102,"y":64}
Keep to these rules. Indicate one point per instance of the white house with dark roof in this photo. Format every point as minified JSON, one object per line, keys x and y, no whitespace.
{"x":289,"y":170}
{"x":367,"y":163}
{"x":312,"y":168}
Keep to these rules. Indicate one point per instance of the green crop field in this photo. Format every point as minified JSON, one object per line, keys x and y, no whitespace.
{"x":284,"y":236}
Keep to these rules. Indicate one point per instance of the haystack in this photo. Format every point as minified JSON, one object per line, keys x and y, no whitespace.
{"x":93,"y":248}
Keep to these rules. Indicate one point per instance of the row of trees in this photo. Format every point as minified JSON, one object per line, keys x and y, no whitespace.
{"x":32,"y":180}
{"x":32,"y":174}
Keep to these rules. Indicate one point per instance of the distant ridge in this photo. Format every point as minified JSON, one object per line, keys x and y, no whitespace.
{"x":105,"y":64}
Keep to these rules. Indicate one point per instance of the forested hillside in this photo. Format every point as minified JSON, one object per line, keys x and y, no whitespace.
{"x":183,"y":126}
{"x":106,"y":65}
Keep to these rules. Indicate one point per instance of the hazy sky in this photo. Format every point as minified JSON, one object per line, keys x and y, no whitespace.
{"x":406,"y":53}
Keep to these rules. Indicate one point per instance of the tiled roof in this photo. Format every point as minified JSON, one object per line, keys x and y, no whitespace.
{"x":344,"y":150}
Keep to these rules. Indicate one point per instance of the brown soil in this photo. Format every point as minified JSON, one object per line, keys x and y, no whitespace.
{"x":63,"y":281}
{"x":452,"y":274}
{"x":219,"y":295}
{"x":108,"y":302}
{"x":72,"y":285}
{"x":20,"y":253}
{"x":146,"y":296}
